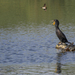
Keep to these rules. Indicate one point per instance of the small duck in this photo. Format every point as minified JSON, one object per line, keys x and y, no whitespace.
{"x":44,"y":7}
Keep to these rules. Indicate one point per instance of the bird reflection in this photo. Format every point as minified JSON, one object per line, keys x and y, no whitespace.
{"x":58,"y":64}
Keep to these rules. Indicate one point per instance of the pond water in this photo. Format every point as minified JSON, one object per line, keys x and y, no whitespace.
{"x":28,"y":39}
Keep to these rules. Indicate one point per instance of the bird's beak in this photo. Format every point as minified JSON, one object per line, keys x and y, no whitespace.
{"x":54,"y":23}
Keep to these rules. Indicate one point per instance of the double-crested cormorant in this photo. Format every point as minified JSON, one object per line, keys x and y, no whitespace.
{"x":59,"y":33}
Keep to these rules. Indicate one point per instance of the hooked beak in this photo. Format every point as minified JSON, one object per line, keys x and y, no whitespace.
{"x":54,"y":23}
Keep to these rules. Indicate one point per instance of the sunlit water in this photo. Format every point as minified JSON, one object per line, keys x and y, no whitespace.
{"x":27,"y":46}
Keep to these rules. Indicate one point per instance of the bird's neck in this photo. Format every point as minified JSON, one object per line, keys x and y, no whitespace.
{"x":56,"y":26}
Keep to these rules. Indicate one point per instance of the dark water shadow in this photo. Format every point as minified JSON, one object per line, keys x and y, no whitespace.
{"x":58,"y":68}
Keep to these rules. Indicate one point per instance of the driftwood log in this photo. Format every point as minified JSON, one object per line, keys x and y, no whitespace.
{"x":66,"y":47}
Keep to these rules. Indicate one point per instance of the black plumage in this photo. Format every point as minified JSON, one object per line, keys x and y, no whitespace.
{"x":59,"y":33}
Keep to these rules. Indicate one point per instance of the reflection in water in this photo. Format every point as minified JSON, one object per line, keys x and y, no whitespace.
{"x":58,"y":64}
{"x":58,"y":68}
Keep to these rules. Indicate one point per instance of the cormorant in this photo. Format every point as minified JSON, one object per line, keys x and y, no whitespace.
{"x":59,"y":33}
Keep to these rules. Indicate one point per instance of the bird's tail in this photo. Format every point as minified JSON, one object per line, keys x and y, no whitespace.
{"x":70,"y":43}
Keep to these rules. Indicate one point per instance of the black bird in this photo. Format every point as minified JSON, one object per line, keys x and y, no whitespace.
{"x":59,"y":33}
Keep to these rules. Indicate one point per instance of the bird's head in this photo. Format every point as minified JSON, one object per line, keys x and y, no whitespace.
{"x":56,"y":22}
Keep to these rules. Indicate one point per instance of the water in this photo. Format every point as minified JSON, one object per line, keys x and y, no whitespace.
{"x":28,"y":39}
